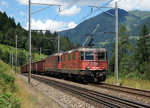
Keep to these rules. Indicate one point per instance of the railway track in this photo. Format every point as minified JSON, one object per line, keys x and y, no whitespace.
{"x":96,"y":98}
{"x":132,"y":91}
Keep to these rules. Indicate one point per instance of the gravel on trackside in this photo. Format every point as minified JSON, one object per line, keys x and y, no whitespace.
{"x":38,"y":98}
{"x":60,"y":98}
{"x":106,"y":91}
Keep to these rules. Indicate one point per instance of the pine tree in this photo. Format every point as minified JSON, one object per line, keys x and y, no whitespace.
{"x":142,"y":55}
{"x":142,"y":45}
{"x":124,"y":53}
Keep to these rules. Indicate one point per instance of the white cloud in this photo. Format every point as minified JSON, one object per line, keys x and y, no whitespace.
{"x":22,"y":13}
{"x":66,"y":2}
{"x":71,"y":25}
{"x":22,"y":1}
{"x":47,"y":25}
{"x":3,"y":4}
{"x":1,"y":11}
{"x":50,"y":25}
{"x":68,"y":7}
{"x":133,"y":4}
{"x":124,"y":4}
{"x":71,"y":11}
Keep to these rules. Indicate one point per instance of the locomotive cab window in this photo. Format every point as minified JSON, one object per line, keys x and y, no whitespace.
{"x":58,"y":58}
{"x":82,"y":55}
{"x":89,"y":56}
{"x":101,"y":56}
{"x":74,"y":56}
{"x":64,"y":57}
{"x":68,"y":57}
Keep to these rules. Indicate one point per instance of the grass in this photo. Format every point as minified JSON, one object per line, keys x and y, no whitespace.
{"x":140,"y":84}
{"x":23,"y":96}
{"x":7,"y":87}
{"x":13,"y":93}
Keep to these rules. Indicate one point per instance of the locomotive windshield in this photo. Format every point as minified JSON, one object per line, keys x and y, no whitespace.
{"x":101,"y":56}
{"x":89,"y":56}
{"x":82,"y":55}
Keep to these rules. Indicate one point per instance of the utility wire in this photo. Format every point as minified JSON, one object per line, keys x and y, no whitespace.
{"x":57,"y":14}
{"x":92,"y":12}
{"x":41,"y":9}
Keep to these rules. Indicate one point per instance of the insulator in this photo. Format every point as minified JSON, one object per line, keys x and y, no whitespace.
{"x":91,"y":10}
{"x":59,"y":9}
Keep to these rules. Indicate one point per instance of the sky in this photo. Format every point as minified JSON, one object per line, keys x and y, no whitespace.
{"x":67,"y":16}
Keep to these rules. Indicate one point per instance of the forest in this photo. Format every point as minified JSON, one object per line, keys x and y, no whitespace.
{"x":47,"y":41}
{"x":134,"y":61}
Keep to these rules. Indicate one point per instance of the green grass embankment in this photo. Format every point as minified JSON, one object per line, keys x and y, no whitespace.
{"x":12,"y":92}
{"x":7,"y":88}
{"x":134,"y":83}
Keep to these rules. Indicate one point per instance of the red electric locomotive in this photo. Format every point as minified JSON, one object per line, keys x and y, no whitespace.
{"x":89,"y":64}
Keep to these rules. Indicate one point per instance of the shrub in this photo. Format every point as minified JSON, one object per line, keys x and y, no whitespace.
{"x":8,"y":101}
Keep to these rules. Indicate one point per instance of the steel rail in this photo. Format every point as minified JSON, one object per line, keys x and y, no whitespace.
{"x":96,"y":97}
{"x":133,"y":91}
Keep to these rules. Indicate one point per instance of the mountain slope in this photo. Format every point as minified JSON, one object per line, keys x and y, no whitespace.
{"x":141,"y":14}
{"x":133,"y":21}
{"x":107,"y":24}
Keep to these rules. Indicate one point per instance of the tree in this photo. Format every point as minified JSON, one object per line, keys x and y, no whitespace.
{"x":22,"y":58}
{"x":1,"y":37}
{"x":125,"y":46}
{"x":142,"y":46}
{"x":65,"y":44}
{"x":124,"y":54}
{"x":55,"y":44}
{"x":1,"y":53}
{"x":142,"y":52}
{"x":10,"y":37}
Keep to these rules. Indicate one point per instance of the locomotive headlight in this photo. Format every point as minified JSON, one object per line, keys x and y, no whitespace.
{"x":104,"y":68}
{"x":87,"y":68}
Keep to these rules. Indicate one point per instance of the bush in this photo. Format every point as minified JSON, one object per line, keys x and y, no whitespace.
{"x":8,"y":101}
{"x":6,"y":56}
{"x":7,"y":82}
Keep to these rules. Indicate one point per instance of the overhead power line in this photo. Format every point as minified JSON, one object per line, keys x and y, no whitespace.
{"x":91,"y":12}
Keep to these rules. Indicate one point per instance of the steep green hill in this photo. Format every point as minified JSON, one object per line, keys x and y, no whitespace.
{"x":7,"y":87}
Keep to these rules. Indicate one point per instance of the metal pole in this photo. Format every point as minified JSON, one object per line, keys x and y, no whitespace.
{"x":29,"y":74}
{"x":58,"y":43}
{"x":18,"y":62}
{"x":40,"y":53}
{"x":16,"y":57}
{"x":116,"y":44}
{"x":12,"y":59}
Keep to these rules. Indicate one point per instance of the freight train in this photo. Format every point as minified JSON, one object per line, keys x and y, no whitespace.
{"x":85,"y":64}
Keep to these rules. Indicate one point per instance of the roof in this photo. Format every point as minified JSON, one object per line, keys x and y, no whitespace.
{"x":55,"y":54}
{"x":78,"y":49}
{"x":86,"y":49}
